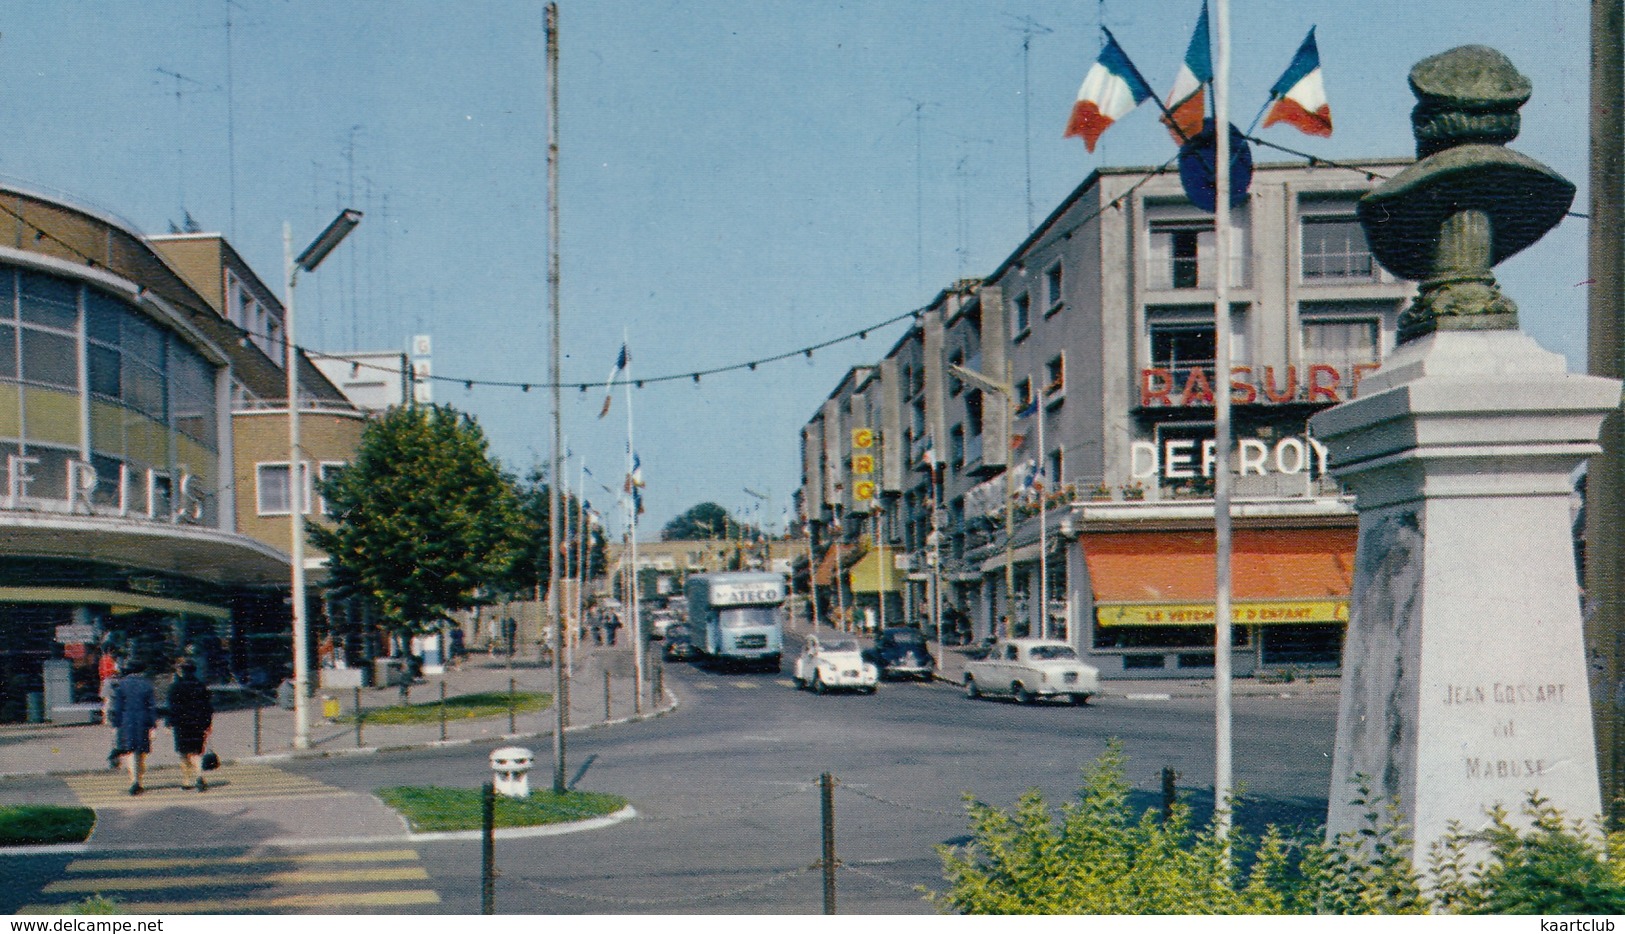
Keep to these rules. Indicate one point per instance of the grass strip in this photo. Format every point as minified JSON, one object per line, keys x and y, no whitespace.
{"x":44,"y":824}
{"x":431,"y":808}
{"x":459,"y":707}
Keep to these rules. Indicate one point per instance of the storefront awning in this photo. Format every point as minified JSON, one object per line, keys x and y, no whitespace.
{"x":871,"y":574}
{"x":1291,"y":576}
{"x":825,"y":575}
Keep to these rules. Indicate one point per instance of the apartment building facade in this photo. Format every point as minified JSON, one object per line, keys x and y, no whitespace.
{"x":1053,"y":426}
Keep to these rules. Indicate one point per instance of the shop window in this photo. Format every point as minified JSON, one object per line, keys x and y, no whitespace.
{"x":1021,"y":317}
{"x":1301,"y":645}
{"x":1335,"y":248}
{"x":1052,"y":289}
{"x":1164,"y":637}
{"x":1143,"y":662}
{"x":50,"y":359}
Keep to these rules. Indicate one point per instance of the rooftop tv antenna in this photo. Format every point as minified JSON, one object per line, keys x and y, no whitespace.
{"x":1028,"y":27}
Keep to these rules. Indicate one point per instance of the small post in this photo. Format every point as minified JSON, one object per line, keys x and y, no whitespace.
{"x":826,"y":789}
{"x":511,"y":727}
{"x":488,"y":849}
{"x":442,"y":711}
{"x":660,"y":683}
{"x":359,"y":716}
{"x":256,"y":725}
{"x":608,"y":710}
{"x":1169,"y":776}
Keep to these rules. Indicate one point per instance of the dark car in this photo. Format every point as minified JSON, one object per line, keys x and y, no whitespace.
{"x":680,"y":643}
{"x":901,"y":652}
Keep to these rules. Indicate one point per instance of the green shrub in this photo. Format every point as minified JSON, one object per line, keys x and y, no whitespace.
{"x":1094,"y":856}
{"x":40,"y":824}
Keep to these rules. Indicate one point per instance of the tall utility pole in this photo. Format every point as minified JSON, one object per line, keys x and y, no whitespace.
{"x":1605,"y":480}
{"x":561,"y":677}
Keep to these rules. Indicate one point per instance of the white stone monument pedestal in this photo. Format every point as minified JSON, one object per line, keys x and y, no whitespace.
{"x":1464,"y":681}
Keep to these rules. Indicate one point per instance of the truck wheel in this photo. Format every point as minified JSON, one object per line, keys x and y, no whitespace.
{"x":1080,"y":700}
{"x":1023,"y":696}
{"x":971,"y":690}
{"x":818,"y":685}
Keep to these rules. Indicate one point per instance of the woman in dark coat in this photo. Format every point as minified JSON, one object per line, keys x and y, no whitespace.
{"x":191,"y":714}
{"x":133,"y":712}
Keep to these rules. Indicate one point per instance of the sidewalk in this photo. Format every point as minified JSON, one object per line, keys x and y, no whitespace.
{"x":45,"y":749}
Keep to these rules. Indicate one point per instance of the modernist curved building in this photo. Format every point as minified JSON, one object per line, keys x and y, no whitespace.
{"x":117,"y":501}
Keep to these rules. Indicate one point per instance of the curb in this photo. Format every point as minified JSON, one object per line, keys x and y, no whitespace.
{"x":673,"y":704}
{"x":540,"y":830}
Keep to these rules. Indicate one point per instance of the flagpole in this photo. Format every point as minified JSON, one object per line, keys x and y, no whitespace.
{"x":581,"y":558}
{"x":632,"y":508}
{"x":561,"y":681}
{"x":1222,"y":779}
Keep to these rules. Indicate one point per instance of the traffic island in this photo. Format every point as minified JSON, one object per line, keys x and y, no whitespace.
{"x":458,"y":707}
{"x":44,"y":824}
{"x":432,"y":809}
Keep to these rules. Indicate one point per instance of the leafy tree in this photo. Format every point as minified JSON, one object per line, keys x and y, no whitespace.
{"x":532,"y":564}
{"x":703,"y":521}
{"x":423,"y":517}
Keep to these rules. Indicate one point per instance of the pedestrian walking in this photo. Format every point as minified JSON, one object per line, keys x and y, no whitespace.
{"x":611,"y":626}
{"x":133,"y":712}
{"x":191,"y":715}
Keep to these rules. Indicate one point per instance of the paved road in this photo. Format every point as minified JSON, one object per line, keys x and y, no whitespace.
{"x":729,"y":810}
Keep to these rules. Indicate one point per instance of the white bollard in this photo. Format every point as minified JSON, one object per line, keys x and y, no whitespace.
{"x":511,"y":768}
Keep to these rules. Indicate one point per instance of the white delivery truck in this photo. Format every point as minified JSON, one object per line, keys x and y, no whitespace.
{"x":738,"y":617}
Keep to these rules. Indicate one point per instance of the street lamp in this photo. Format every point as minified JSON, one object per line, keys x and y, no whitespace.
{"x":307,"y":261}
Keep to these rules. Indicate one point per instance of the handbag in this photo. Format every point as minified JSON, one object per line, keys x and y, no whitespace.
{"x":211,"y":761}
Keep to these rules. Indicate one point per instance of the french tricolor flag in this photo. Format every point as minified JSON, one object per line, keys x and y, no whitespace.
{"x":1300,"y":94}
{"x":1112,"y":88}
{"x":1187,"y":102}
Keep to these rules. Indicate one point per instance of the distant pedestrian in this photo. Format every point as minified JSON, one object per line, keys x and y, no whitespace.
{"x":133,"y":712}
{"x":611,"y":625}
{"x":191,"y":715}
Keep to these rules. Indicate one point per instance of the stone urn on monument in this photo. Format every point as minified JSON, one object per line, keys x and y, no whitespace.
{"x":1464,"y":679}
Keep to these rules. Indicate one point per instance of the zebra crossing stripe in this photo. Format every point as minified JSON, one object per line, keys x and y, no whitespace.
{"x":113,"y":884}
{"x":133,"y":864}
{"x":300,"y":901}
{"x":163,"y":787}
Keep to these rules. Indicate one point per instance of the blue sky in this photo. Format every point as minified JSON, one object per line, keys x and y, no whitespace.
{"x":739,"y":179}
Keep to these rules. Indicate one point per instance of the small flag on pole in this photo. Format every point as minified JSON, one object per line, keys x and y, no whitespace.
{"x":1187,"y":102}
{"x":1300,"y":95}
{"x":1111,"y":89}
{"x":609,"y":387}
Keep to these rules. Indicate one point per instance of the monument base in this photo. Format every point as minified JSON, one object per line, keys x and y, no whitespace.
{"x":1464,"y":682}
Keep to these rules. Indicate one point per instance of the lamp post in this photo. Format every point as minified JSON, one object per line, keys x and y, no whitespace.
{"x":307,"y":261}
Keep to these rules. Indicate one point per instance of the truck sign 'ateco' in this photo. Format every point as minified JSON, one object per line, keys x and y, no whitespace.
{"x":739,"y":594}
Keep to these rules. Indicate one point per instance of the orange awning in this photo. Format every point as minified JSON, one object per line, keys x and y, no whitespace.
{"x":825,"y":575}
{"x":1277,"y":575}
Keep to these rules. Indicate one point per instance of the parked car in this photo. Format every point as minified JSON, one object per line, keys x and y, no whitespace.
{"x":901,"y":652}
{"x":679,"y":643}
{"x":834,"y":663}
{"x":1029,"y":669}
{"x":659,"y":622}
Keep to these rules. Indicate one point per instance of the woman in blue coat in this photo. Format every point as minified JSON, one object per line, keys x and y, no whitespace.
{"x":133,"y":712}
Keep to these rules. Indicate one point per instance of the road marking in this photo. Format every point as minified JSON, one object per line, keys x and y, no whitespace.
{"x":135,"y":863}
{"x":706,"y":687}
{"x":784,"y":682}
{"x":293,"y":877}
{"x":747,"y":685}
{"x":163,"y":787}
{"x":1148,"y":696}
{"x":314,"y":900}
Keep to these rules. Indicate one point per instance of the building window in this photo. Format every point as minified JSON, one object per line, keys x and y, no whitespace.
{"x":1055,"y":376}
{"x":328,"y":471}
{"x":956,"y":447}
{"x":1182,"y":255}
{"x":1181,"y":348}
{"x":1334,"y":248}
{"x":1350,"y":346}
{"x":271,"y":489}
{"x":1052,"y":289}
{"x":1021,"y":319}
{"x":973,"y":411}
{"x":1054,"y":468}
{"x":1024,"y":394}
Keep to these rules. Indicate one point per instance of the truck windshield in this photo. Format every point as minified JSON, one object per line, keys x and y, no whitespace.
{"x":744,"y":617}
